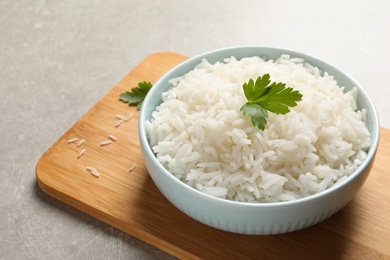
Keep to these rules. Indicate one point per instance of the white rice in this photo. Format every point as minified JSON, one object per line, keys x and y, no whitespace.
{"x":93,"y":171}
{"x":200,"y":135}
{"x":90,"y":168}
{"x":119,"y":122}
{"x":107,"y":142}
{"x":81,"y":153}
{"x":132,"y":167}
{"x":81,"y":142}
{"x":119,"y":117}
{"x":130,"y":116}
{"x":112,"y":137}
{"x":72,"y":140}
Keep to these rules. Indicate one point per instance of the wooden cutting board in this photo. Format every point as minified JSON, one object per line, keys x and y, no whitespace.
{"x":129,"y":200}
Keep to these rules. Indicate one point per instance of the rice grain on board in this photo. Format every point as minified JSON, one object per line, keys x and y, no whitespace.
{"x":72,"y":140}
{"x":81,"y":153}
{"x":81,"y":142}
{"x":112,"y":137}
{"x":119,"y":117}
{"x":93,"y":171}
{"x":118,"y":123}
{"x":90,"y":168}
{"x":107,"y":142}
{"x":132,"y":167}
{"x":130,"y":116}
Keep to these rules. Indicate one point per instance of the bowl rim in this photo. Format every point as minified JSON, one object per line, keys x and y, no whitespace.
{"x":375,"y":134}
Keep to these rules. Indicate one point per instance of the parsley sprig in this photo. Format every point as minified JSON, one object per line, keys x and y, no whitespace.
{"x":263,"y":97}
{"x":137,"y":94}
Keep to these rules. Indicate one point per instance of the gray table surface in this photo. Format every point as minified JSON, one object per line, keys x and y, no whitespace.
{"x":58,"y":58}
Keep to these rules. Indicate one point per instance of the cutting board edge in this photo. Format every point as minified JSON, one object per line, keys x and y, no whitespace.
{"x":133,"y":231}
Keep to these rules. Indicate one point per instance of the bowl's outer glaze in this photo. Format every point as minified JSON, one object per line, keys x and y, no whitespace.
{"x":248,"y":218}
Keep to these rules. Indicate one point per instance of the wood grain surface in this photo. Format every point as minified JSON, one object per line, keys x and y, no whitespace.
{"x":129,"y":200}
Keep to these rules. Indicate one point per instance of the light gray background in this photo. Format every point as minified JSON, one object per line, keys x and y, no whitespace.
{"x":58,"y":58}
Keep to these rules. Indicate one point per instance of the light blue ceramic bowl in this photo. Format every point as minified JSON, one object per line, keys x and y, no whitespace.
{"x":261,"y":218}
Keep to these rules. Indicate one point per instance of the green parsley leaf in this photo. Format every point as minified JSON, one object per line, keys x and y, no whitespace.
{"x":263,"y":97}
{"x":257,"y":113}
{"x":254,"y":91}
{"x":137,"y":94}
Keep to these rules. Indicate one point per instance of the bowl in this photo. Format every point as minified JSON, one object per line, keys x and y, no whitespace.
{"x":256,"y":218}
